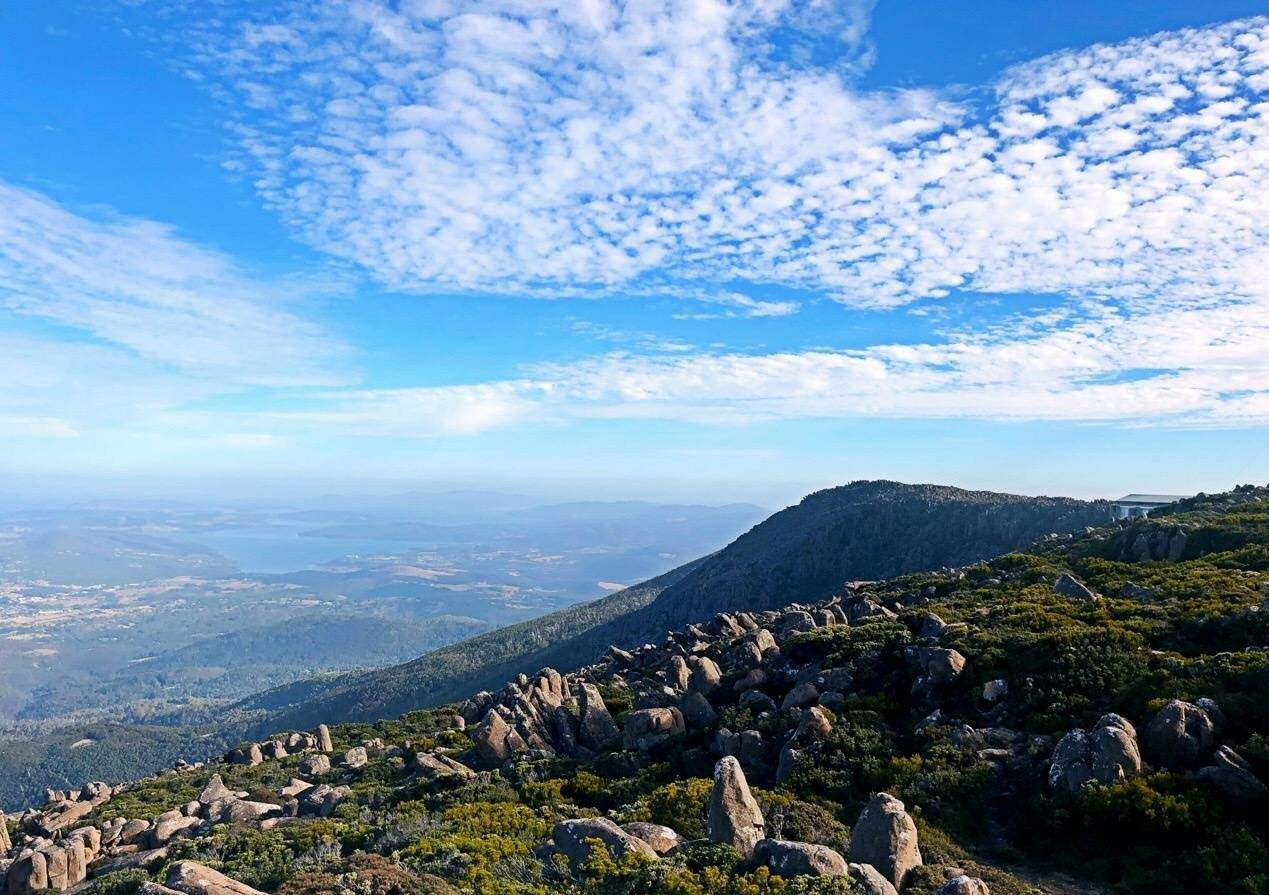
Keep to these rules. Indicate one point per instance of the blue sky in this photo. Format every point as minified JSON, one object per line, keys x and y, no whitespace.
{"x":686,"y":251}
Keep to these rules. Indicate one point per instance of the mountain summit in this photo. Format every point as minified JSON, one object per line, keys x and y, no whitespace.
{"x":863,"y":530}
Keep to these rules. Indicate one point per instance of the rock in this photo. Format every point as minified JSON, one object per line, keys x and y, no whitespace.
{"x":5,"y":844}
{"x":323,"y":739}
{"x":355,"y":757}
{"x":813,"y":725}
{"x":172,"y":828}
{"x":679,"y":674}
{"x":1133,"y":591}
{"x":939,"y":664}
{"x":790,"y":859}
{"x":214,"y":791}
{"x":315,"y":765}
{"x":150,"y":888}
{"x":705,"y":676}
{"x":1179,"y":736}
{"x":27,"y":874}
{"x":886,"y":838}
{"x":661,"y":838}
{"x":274,"y":749}
{"x":435,"y":764}
{"x":570,"y":838}
{"x":734,"y":816}
{"x":787,"y":764}
{"x":61,"y":815}
{"x":697,"y":711}
{"x":1232,"y":775}
{"x":596,"y":728}
{"x":869,"y":881}
{"x":931,"y":627}
{"x":294,"y":788}
{"x":195,"y":879}
{"x":646,"y":728}
{"x":963,"y":885}
{"x":495,"y":740}
{"x":1073,"y":589}
{"x":1107,"y":754}
{"x":757,"y":702}
{"x":994,"y":691}
{"x":754,"y":677}
{"x":249,"y":755}
{"x":322,"y":799}
{"x":244,"y":812}
{"x":801,"y":696}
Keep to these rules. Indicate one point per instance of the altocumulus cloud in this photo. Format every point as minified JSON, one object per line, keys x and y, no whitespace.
{"x":594,"y":147}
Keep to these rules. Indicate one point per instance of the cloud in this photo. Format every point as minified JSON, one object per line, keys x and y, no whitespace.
{"x":136,"y":285}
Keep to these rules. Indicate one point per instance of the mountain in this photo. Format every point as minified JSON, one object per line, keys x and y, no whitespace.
{"x":1089,"y":715}
{"x":857,"y":531}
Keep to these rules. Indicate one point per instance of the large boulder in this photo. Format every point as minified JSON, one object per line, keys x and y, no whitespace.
{"x":790,"y":859}
{"x":355,"y":757}
{"x":1181,"y":735}
{"x":705,"y":675}
{"x":734,"y":816}
{"x":886,"y":838}
{"x":869,"y":881}
{"x":195,"y":879}
{"x":5,"y":844}
{"x":1073,"y":589}
{"x":323,"y":739}
{"x":963,"y":885}
{"x":646,"y":728}
{"x":1107,"y":754}
{"x":573,"y":838}
{"x":315,"y":765}
{"x":495,"y":739}
{"x":596,"y":727}
{"x":1233,"y":776}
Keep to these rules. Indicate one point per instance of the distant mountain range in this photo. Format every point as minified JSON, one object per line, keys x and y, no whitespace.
{"x":864,"y":530}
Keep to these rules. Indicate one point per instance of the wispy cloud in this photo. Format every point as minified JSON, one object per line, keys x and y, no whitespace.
{"x":136,"y":285}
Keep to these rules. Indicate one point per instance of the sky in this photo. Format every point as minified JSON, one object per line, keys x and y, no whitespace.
{"x":698,"y":250}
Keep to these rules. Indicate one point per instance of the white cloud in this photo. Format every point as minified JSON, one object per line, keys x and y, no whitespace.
{"x":136,"y":285}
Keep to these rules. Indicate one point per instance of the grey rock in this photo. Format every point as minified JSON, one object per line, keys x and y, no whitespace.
{"x":646,"y":728}
{"x":886,"y":838}
{"x":1073,"y":589}
{"x":315,"y":765}
{"x":1233,"y":776}
{"x":734,"y":816}
{"x":572,"y":838}
{"x":596,"y":728}
{"x":196,"y":879}
{"x":1179,"y":736}
{"x":963,"y":885}
{"x":869,"y":881}
{"x":661,"y":838}
{"x":790,"y":859}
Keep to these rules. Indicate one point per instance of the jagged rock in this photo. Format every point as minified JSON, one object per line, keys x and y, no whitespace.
{"x":435,"y":764}
{"x":570,"y":837}
{"x":697,"y":711}
{"x":596,"y":728}
{"x":734,"y":816}
{"x":195,"y":879}
{"x":646,"y":728}
{"x":869,"y":880}
{"x":1232,"y":775}
{"x":963,"y":885}
{"x":322,"y":799}
{"x":294,"y":788}
{"x":355,"y":757}
{"x":1157,"y":544}
{"x":661,"y":838}
{"x":1073,"y":589}
{"x":790,"y":859}
{"x":1179,"y":736}
{"x":315,"y":765}
{"x":214,"y":791}
{"x":495,"y":740}
{"x":886,"y":838}
{"x":705,"y":675}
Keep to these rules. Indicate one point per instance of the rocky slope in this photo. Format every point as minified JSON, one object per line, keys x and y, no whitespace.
{"x":1090,"y":715}
{"x":864,"y":530}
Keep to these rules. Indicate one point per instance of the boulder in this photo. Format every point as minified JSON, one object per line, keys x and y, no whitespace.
{"x":790,"y":859}
{"x":994,"y":691}
{"x":195,"y":879}
{"x":1232,"y":775}
{"x":801,"y":696}
{"x":869,"y":881}
{"x":355,"y":757}
{"x":596,"y":728}
{"x":661,"y":838}
{"x":249,"y":755}
{"x":495,"y":740}
{"x":705,"y":675}
{"x":322,"y":799}
{"x":734,"y":816}
{"x":697,"y":712}
{"x":573,"y":837}
{"x":931,"y":627}
{"x":1073,"y":589}
{"x":242,"y":811}
{"x":5,"y":844}
{"x":323,"y":739}
{"x":214,"y":791}
{"x":886,"y":838}
{"x":1107,"y":754}
{"x":173,"y":828}
{"x":757,"y":701}
{"x":1180,"y":736}
{"x":294,"y":788}
{"x":315,"y":765}
{"x":963,"y":885}
{"x":28,"y":874}
{"x":678,"y":674}
{"x":436,"y":764}
{"x":646,"y":728}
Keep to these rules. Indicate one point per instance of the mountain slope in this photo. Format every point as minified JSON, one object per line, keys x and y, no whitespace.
{"x":860,"y":530}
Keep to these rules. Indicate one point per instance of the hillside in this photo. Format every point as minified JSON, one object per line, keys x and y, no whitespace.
{"x":863,"y":530}
{"x":1088,"y":716}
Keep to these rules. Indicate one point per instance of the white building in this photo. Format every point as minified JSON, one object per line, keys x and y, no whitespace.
{"x":1133,"y":506}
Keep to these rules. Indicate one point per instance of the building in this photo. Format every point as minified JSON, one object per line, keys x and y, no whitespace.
{"x":1133,"y":506}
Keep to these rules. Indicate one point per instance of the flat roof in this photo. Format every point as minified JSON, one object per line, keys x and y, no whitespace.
{"x":1152,"y":498}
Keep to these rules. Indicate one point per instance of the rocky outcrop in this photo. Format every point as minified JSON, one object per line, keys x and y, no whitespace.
{"x":573,"y":839}
{"x":734,"y":816}
{"x":886,"y":838}
{"x":646,"y":728}
{"x":790,"y":859}
{"x":1106,"y":754}
{"x":660,"y":838}
{"x":196,"y":879}
{"x":1233,"y":776}
{"x":1180,"y":736}
{"x":963,"y":885}
{"x":869,"y":881}
{"x":1073,"y":589}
